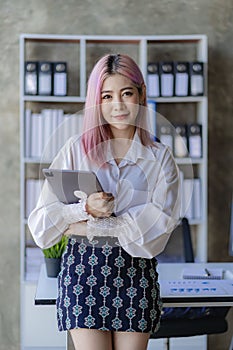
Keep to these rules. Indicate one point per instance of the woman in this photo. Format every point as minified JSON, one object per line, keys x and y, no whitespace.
{"x":108,"y":285}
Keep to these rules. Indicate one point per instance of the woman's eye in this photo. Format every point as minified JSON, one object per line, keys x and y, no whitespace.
{"x":128,"y":93}
{"x":106,"y":97}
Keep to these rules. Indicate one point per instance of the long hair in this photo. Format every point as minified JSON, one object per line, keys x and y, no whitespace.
{"x":95,"y":130}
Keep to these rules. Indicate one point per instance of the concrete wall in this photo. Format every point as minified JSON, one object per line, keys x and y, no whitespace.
{"x":211,"y":17}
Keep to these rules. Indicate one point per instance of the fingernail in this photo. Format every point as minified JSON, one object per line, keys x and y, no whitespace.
{"x":109,"y":194}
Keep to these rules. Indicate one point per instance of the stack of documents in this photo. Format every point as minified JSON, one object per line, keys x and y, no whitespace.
{"x":202,"y":273}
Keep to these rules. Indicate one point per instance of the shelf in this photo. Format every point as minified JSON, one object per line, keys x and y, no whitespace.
{"x":178,"y":161}
{"x":58,"y":99}
{"x":188,"y":99}
{"x":196,"y":221}
{"x":80,"y":52}
{"x":189,"y":160}
{"x":195,"y":38}
{"x":79,"y":99}
{"x":44,"y":348}
{"x":36,"y":161}
{"x":50,"y":38}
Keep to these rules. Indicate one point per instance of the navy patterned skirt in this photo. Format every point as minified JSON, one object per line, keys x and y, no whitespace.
{"x":102,"y":287}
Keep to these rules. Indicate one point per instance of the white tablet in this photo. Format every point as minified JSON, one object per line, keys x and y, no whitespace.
{"x":65,"y":182}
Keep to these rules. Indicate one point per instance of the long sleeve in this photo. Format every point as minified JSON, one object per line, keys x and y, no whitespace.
{"x":144,"y":230}
{"x":143,"y":227}
{"x":51,"y":218}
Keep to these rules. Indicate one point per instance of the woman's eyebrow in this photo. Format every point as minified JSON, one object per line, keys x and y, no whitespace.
{"x":125,"y":88}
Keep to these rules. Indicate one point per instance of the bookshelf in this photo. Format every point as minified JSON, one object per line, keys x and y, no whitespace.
{"x":81,"y":52}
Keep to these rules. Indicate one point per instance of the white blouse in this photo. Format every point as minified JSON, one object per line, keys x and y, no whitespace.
{"x":147,"y":194}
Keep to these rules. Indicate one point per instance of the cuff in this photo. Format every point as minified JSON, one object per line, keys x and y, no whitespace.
{"x":75,"y":212}
{"x":111,"y":226}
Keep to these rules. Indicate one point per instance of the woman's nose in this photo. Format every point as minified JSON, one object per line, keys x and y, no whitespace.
{"x":118,"y":106}
{"x":118,"y":103}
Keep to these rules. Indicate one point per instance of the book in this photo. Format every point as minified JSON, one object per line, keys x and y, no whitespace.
{"x":153,"y":79}
{"x":180,"y":141}
{"x":196,"y":84}
{"x":45,"y":78}
{"x":151,"y":114}
{"x":202,"y":273}
{"x":166,"y":72}
{"x":196,"y":199}
{"x":47,"y":131}
{"x":181,"y":71}
{"x":33,"y":189}
{"x":31,"y":78}
{"x":187,"y":193}
{"x":60,"y":78}
{"x":194,"y":132}
{"x":165,"y":135}
{"x":37,"y":136}
{"x":27,"y":133}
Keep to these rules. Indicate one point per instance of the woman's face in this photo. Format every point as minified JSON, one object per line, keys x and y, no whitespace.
{"x":120,"y":104}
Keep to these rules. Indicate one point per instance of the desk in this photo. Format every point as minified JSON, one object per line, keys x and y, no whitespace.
{"x":46,"y":292}
{"x":195,"y":292}
{"x":168,"y":273}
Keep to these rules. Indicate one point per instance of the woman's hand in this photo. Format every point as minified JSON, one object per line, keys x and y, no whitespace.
{"x":77,"y":229}
{"x":100,"y":204}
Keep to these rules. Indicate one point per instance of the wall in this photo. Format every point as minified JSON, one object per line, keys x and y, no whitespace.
{"x":211,"y":17}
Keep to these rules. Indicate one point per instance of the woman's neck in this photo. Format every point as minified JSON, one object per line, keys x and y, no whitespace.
{"x":120,"y":144}
{"x":127,"y":134}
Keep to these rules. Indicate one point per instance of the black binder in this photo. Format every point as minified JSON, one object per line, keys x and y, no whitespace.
{"x":180,"y":141}
{"x":196,"y":72}
{"x":195,"y":140}
{"x":153,"y":80}
{"x":181,"y":71}
{"x":166,"y":72}
{"x":30,"y":78}
{"x":45,"y":78}
{"x":165,"y":135}
{"x":60,"y":79}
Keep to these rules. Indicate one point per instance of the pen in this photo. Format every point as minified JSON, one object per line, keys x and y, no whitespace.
{"x":207,"y":272}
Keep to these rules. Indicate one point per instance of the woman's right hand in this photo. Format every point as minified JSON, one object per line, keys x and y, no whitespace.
{"x":100,"y":204}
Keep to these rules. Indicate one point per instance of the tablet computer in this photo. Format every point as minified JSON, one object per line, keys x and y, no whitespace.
{"x":65,"y":182}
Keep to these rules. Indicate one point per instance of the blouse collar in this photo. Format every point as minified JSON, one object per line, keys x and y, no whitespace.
{"x":136,"y":151}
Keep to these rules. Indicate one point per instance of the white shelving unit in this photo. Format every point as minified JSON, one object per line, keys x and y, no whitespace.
{"x":81,"y":52}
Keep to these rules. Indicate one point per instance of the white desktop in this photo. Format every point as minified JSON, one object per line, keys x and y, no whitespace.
{"x":175,"y":292}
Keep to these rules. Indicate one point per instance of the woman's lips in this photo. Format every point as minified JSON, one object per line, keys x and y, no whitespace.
{"x":120,"y":116}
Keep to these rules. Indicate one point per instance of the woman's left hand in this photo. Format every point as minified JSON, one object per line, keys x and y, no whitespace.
{"x":77,"y":229}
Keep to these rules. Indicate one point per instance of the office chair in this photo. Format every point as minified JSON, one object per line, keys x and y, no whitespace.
{"x":187,"y":321}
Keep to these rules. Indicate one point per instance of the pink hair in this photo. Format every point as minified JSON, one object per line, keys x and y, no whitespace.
{"x":95,"y":129}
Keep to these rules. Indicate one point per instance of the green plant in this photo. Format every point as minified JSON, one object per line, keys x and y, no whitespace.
{"x":57,"y":249}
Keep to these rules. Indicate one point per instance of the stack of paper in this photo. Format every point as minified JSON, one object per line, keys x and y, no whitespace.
{"x":203,"y":273}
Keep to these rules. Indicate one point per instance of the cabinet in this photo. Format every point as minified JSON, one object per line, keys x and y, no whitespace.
{"x":190,"y":343}
{"x":81,"y":52}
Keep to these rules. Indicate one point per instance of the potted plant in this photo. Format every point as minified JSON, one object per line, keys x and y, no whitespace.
{"x":53,"y":256}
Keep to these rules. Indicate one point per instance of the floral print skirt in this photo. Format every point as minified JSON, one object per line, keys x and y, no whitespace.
{"x":100,"y":286}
